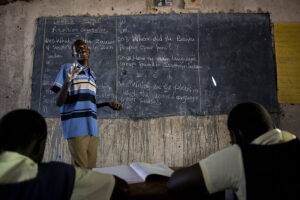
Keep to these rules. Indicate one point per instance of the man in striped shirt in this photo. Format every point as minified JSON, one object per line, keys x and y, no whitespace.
{"x":76,"y":88}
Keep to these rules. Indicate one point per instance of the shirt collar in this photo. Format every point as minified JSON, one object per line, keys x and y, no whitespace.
{"x":76,"y":62}
{"x":271,"y":137}
{"x":84,"y":68}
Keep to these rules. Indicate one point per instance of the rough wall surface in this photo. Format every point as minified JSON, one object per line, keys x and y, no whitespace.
{"x":177,"y":141}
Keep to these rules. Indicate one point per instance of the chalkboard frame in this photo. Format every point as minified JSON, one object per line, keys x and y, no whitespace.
{"x":191,"y":96}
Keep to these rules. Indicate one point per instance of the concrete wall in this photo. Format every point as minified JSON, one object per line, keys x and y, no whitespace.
{"x":177,"y":141}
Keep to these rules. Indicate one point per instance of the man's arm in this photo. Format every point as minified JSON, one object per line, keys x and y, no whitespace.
{"x":120,"y":190}
{"x":187,"y":182}
{"x":62,"y":94}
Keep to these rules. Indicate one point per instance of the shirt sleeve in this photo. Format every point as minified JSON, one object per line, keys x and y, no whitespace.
{"x":59,"y":81}
{"x":92,"y":185}
{"x":223,"y":170}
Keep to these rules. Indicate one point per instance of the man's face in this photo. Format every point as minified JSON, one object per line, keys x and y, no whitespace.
{"x":81,"y":52}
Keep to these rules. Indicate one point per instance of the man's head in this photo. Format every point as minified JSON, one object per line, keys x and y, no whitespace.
{"x":23,"y":131}
{"x":80,"y":50}
{"x":247,"y":121}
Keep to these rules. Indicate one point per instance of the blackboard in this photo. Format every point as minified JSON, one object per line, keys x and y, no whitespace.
{"x":162,"y":65}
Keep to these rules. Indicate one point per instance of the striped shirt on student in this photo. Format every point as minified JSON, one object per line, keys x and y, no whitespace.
{"x":79,"y":112}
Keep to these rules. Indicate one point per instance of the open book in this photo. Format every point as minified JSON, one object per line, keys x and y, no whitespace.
{"x":137,"y":172}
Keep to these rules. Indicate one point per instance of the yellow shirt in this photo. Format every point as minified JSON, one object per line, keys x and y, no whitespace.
{"x":15,"y":168}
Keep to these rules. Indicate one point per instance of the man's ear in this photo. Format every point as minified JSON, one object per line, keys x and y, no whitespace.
{"x":74,"y":53}
{"x":38,"y":150}
{"x":232,"y":137}
{"x":240,"y":137}
{"x":237,"y":136}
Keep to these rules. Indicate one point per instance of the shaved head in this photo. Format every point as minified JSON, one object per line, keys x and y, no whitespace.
{"x":247,"y":121}
{"x":23,"y":131}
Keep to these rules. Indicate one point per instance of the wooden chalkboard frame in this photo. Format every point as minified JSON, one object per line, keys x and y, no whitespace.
{"x":162,"y":65}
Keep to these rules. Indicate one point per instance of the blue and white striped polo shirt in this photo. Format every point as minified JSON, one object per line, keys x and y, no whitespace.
{"x":79,"y":112}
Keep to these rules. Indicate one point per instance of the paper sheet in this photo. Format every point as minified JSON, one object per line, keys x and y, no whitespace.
{"x":287,"y":50}
{"x":145,"y":169}
{"x":123,"y":171}
{"x":136,"y":172}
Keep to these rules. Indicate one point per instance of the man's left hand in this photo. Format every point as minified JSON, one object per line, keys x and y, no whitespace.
{"x":115,"y":106}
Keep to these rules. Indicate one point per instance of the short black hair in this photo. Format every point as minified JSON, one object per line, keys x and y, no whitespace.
{"x":77,"y":42}
{"x":251,"y":118}
{"x":20,"y":127}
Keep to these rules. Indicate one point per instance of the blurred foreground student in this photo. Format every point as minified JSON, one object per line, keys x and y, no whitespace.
{"x":263,"y":163}
{"x":23,"y":136}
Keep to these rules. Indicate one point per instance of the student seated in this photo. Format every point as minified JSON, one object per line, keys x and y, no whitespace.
{"x":23,"y":136}
{"x":263,"y":163}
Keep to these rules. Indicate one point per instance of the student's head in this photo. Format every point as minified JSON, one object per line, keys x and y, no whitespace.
{"x":80,"y":50}
{"x":23,"y":131}
{"x":247,"y":121}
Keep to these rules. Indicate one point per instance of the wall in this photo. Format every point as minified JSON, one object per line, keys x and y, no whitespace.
{"x":177,"y":141}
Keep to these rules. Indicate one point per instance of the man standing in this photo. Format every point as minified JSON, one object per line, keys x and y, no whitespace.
{"x":76,"y":88}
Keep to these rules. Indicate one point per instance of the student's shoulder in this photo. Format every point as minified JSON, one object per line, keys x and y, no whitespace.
{"x":223,"y":155}
{"x":228,"y":151}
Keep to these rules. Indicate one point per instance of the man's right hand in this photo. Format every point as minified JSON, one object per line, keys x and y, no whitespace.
{"x":74,"y":71}
{"x":62,"y":95}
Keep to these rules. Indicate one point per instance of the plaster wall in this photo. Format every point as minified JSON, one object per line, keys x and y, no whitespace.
{"x":177,"y":141}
